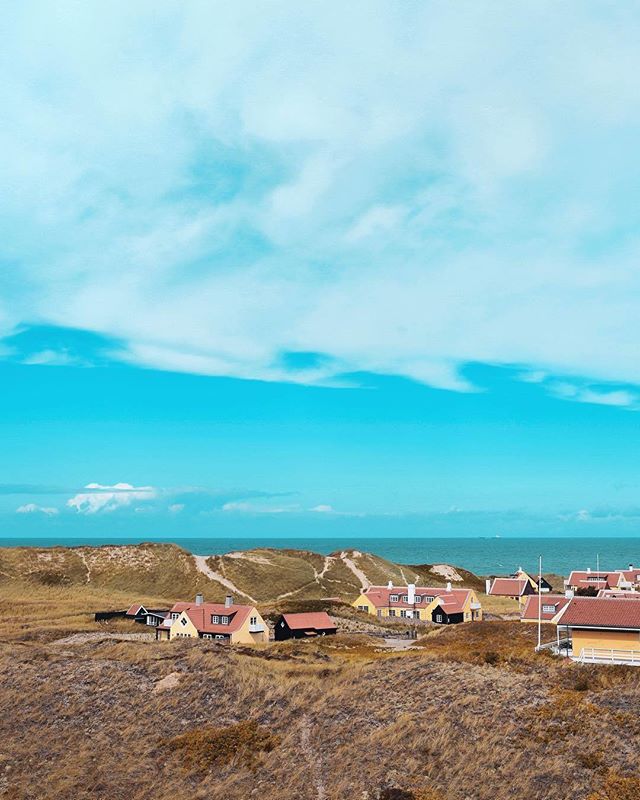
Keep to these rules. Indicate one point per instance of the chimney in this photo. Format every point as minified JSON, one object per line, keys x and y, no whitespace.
{"x":487,"y":586}
{"x":569,"y":594}
{"x":588,"y":570}
{"x":228,"y":601}
{"x":448,"y":586}
{"x":411,"y":593}
{"x":199,"y":599}
{"x":390,"y":585}
{"x":630,"y":566}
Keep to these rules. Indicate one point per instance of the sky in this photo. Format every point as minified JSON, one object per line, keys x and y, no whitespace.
{"x":288,"y":269}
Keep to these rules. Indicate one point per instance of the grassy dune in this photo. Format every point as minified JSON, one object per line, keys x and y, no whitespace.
{"x":328,"y":720}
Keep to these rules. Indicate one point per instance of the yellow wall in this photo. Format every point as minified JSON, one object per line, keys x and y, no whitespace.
{"x":180,"y":631}
{"x":619,"y":640}
{"x":244,"y":636}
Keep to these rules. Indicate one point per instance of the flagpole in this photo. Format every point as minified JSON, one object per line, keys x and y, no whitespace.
{"x":539,"y":603}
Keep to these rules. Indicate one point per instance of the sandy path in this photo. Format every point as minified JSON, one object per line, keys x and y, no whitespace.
{"x":364,"y":581}
{"x":205,"y":569}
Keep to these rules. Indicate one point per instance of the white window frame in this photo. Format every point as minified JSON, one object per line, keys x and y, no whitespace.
{"x":393,"y":598}
{"x":418,"y":598}
{"x":438,"y":617}
{"x":215,"y":619}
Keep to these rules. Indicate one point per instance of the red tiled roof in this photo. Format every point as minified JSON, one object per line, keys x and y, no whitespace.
{"x":508,"y":587}
{"x":617,"y":593}
{"x":582,"y":578}
{"x":530,"y":611}
{"x":317,"y":620}
{"x":379,"y":595}
{"x":631,"y":575}
{"x":601,"y":612}
{"x":133,"y":611}
{"x":201,"y":615}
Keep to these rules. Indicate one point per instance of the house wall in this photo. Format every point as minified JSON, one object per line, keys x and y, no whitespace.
{"x":244,"y":636}
{"x":618,"y":640}
{"x":180,"y":631}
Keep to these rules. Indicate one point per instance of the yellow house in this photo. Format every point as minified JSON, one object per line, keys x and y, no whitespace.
{"x":602,"y":629}
{"x":228,"y":621}
{"x":443,"y":605}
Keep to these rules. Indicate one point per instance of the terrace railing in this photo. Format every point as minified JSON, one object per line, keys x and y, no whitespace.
{"x":609,"y":655}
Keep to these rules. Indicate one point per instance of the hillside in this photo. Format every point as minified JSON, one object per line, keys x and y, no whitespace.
{"x":471,"y":712}
{"x":157,"y":572}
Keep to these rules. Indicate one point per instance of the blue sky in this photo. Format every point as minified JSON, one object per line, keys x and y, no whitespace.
{"x":308,"y":267}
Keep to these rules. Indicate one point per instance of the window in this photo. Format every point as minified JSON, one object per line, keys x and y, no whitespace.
{"x":224,"y":620}
{"x":253,"y":621}
{"x":438,"y":617}
{"x":405,"y":598}
{"x":416,"y":614}
{"x":207,"y":636}
{"x":548,"y":609}
{"x":215,"y":619}
{"x":183,"y":621}
{"x":403,"y":612}
{"x":219,"y":636}
{"x":363,"y":608}
{"x":392,"y":612}
{"x":418,"y":598}
{"x":393,"y":598}
{"x":175,"y":615}
{"x":379,"y":612}
{"x":428,"y":599}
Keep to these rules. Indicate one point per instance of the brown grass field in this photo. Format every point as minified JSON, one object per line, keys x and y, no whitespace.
{"x":470,"y":712}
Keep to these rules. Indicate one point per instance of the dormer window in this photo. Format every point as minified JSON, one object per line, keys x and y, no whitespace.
{"x":175,"y":615}
{"x":393,"y":598}
{"x":224,"y":620}
{"x":405,"y":598}
{"x":215,"y":619}
{"x":548,"y":609}
{"x":418,"y":598}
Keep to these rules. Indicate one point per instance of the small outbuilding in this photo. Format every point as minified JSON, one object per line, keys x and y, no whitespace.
{"x":304,"y":626}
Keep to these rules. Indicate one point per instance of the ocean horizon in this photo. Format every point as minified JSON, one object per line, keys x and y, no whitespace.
{"x":482,"y":555}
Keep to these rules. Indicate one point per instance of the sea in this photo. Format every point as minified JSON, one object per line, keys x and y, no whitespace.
{"x":484,"y":556}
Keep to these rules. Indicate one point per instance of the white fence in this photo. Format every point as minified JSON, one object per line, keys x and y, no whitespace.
{"x":598,"y":655}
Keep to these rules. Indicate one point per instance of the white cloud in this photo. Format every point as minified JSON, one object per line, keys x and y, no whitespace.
{"x":33,"y":508}
{"x":405,"y":189}
{"x":618,"y":397}
{"x":101,"y":498}
{"x":256,"y":508}
{"x":323,"y":509}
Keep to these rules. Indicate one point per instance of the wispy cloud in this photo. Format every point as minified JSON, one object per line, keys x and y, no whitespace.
{"x":33,"y":508}
{"x":386,"y":190}
{"x":101,"y":498}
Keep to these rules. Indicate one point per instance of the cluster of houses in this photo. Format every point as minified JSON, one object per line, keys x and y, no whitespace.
{"x":597,"y":618}
{"x":229,"y":622}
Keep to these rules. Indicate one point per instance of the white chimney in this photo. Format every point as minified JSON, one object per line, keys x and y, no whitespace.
{"x":569,"y":594}
{"x":588,"y":570}
{"x":487,"y":586}
{"x":448,"y":586}
{"x":199,"y":599}
{"x":630,"y":566}
{"x":390,"y":585}
{"x":411,"y":593}
{"x":228,"y":601}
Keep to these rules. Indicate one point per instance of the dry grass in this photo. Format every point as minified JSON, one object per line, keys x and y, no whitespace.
{"x":470,"y":712}
{"x":330,"y":719}
{"x":201,"y":749}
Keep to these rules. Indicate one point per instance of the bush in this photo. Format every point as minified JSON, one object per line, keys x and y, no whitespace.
{"x":491,"y":657}
{"x":204,"y":747}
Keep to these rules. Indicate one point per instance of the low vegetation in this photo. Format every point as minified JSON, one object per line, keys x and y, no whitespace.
{"x":469,"y":711}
